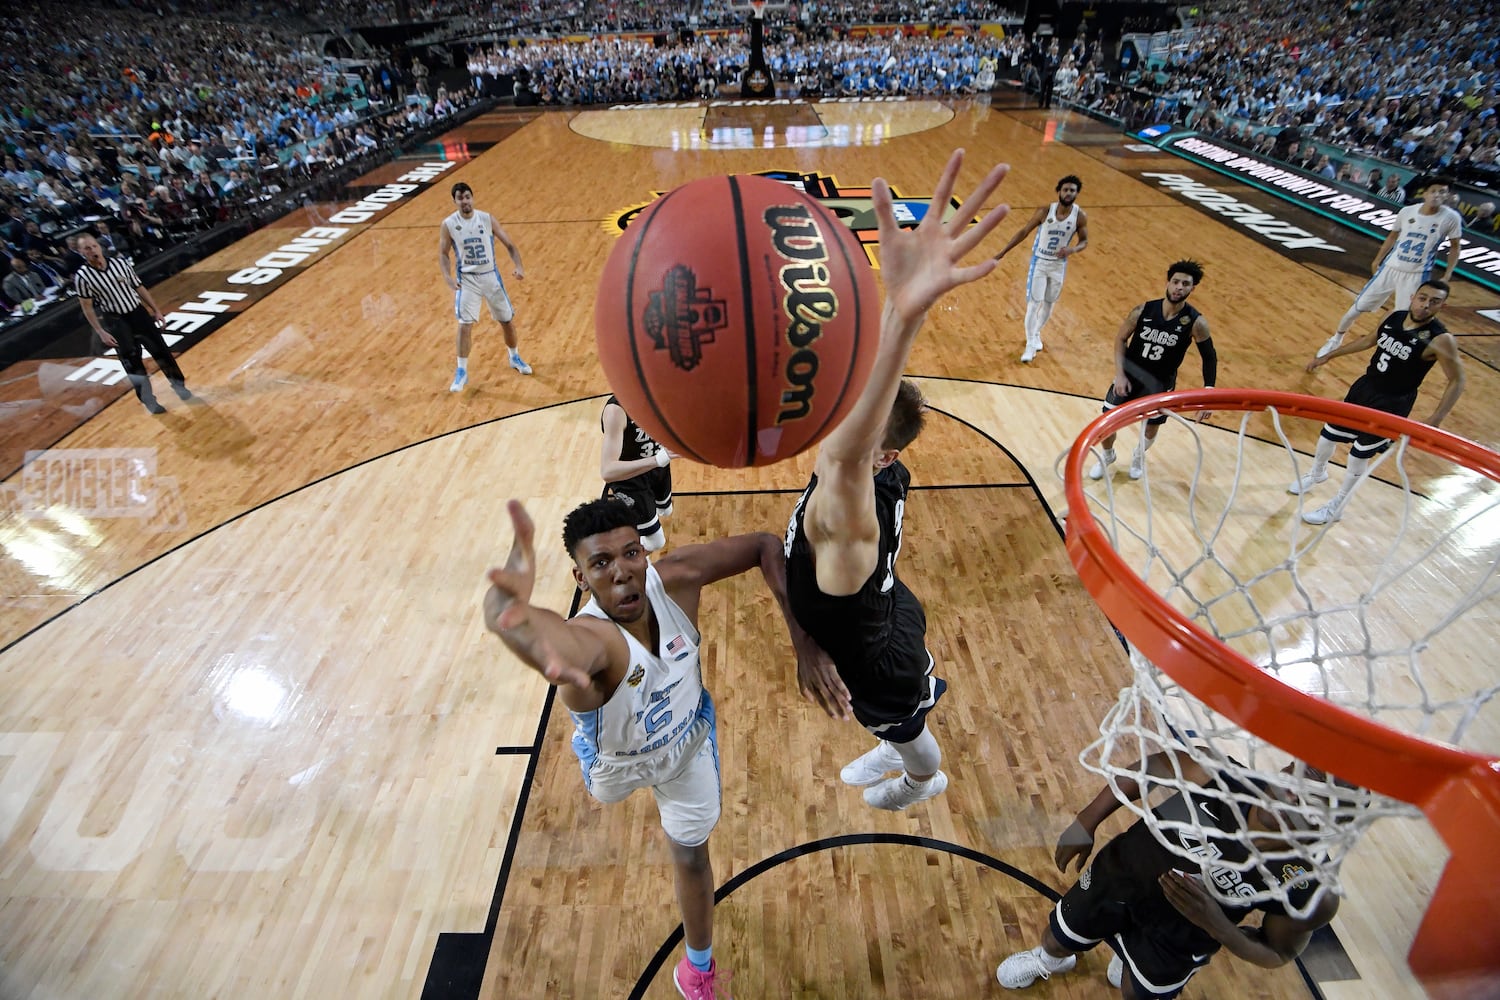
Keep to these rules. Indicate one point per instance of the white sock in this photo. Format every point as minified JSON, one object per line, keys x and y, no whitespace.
{"x":1358,"y":467}
{"x":1048,"y":962}
{"x":1347,"y":321}
{"x":1037,"y":314}
{"x":463,"y":364}
{"x":515,"y":352}
{"x":1321,"y":456}
{"x":922,"y":755}
{"x":1144,"y":445}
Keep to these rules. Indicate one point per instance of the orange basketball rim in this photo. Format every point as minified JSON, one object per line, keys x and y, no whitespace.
{"x":1458,"y":943}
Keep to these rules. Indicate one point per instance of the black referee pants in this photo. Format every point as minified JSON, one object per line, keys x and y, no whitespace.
{"x":133,"y":331}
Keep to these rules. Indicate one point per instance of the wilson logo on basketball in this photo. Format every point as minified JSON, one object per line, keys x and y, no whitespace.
{"x":680,"y":317}
{"x":853,"y":206}
{"x":809,"y":302}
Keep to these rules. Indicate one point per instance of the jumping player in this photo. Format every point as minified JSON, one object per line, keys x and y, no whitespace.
{"x":628,"y":669}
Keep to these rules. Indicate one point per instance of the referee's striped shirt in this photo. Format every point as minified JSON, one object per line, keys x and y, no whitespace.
{"x":112,"y":289}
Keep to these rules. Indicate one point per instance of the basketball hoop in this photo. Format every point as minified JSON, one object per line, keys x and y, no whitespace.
{"x":758,"y":10}
{"x":1258,"y":658}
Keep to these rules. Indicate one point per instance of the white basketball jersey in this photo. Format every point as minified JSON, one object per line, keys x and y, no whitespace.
{"x":474,"y":238}
{"x":658,"y":697}
{"x":1419,"y":236}
{"x":1054,"y":234}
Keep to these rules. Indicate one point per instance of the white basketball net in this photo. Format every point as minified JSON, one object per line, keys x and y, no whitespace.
{"x":1325,"y":609}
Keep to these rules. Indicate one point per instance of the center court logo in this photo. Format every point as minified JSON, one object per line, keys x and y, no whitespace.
{"x":854,"y":206}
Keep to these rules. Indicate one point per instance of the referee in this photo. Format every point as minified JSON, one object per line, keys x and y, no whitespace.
{"x":123,"y":301}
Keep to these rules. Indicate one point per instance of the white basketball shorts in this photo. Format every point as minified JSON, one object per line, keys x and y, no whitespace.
{"x":486,"y":286}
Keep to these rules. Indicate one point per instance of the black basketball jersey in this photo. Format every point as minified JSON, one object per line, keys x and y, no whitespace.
{"x":883,"y":617}
{"x":1397,"y":367}
{"x":1133,"y":861}
{"x":1157,"y":345}
{"x":636,"y":443}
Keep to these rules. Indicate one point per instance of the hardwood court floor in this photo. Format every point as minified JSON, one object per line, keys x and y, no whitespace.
{"x":249,"y":717}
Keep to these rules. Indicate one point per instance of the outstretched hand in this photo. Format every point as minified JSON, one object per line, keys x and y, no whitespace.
{"x":921,"y":265}
{"x":507,"y":604}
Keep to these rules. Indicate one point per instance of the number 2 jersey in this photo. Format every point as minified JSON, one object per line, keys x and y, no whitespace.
{"x":1157,"y":345}
{"x":877,"y":635}
{"x":659,"y":696}
{"x":1054,"y":234}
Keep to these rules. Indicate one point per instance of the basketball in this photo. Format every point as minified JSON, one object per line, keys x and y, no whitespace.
{"x":737,"y":321}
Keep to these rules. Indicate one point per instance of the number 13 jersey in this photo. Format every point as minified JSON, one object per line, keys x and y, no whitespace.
{"x":1158,"y":345}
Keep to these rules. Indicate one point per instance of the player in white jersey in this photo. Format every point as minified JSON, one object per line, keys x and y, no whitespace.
{"x":1056,"y":225}
{"x":471,"y":235}
{"x":627,"y":666}
{"x":1405,"y":258}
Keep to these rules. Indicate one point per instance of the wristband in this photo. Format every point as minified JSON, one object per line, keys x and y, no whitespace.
{"x":662,"y":458}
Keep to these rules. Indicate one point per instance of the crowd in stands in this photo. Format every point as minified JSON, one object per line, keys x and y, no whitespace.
{"x":1415,"y":86}
{"x":620,"y":70}
{"x":147,"y":122}
{"x":148,"y":129}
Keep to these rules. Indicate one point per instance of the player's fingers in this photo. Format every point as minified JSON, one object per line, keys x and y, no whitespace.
{"x":972,"y":236}
{"x":943,"y":191}
{"x":885,"y":212}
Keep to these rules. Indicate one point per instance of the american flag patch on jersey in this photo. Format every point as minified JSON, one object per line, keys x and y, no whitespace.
{"x":678,"y":647}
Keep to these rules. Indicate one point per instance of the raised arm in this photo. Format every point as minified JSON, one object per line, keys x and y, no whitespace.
{"x":574,"y":654}
{"x":510,"y":248}
{"x":1446,"y":349}
{"x":1024,"y":231}
{"x":445,"y":244}
{"x":919,"y":266}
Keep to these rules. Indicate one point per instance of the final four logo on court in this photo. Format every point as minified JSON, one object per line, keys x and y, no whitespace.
{"x":853,"y":205}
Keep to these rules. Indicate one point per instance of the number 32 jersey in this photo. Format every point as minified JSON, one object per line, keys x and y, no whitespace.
{"x":659,"y":695}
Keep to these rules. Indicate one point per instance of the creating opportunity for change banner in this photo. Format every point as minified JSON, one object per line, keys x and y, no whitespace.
{"x":1355,"y":207}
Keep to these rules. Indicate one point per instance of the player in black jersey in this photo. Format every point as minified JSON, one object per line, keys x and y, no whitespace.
{"x":1147,"y":901}
{"x":1149,"y":348}
{"x":845,"y":532}
{"x":636,"y":471}
{"x":1407,"y":344}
